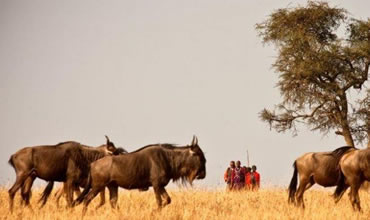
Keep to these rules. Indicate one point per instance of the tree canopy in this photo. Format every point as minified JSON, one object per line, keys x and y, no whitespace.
{"x":319,"y":66}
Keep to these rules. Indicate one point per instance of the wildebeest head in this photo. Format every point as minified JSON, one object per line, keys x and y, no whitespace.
{"x":195,"y":162}
{"x":110,"y":148}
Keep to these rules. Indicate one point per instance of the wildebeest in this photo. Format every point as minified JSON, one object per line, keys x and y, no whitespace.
{"x":153,"y":165}
{"x":320,"y":167}
{"x":65,"y":162}
{"x":82,"y":181}
{"x":63,"y":190}
{"x":355,"y":170}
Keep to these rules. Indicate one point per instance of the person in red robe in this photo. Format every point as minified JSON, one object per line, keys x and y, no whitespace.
{"x":256,"y":179}
{"x":228,"y":176}
{"x":237,"y":177}
{"x":248,"y":179}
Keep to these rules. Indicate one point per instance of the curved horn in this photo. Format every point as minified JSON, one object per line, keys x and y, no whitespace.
{"x":194,"y":141}
{"x":107,"y":139}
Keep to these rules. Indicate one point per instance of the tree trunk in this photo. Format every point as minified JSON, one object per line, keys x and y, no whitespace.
{"x":344,"y":119}
{"x":348,"y":137}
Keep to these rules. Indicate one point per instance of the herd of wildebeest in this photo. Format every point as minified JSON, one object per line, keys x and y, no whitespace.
{"x":344,"y":167}
{"x":94,"y":168}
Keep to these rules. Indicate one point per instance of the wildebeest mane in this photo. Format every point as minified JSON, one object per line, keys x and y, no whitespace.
{"x":120,"y":150}
{"x":66,"y":142}
{"x":91,"y":154}
{"x":165,"y":145}
{"x":339,"y":152}
{"x":85,"y":155}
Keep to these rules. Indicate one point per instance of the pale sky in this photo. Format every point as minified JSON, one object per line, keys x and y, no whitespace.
{"x":146,"y":72}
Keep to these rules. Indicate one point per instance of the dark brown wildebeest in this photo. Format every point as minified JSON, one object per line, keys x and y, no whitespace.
{"x":67,"y":162}
{"x":355,"y":170}
{"x":63,"y":190}
{"x":320,"y":167}
{"x":83,"y":178}
{"x":153,"y":165}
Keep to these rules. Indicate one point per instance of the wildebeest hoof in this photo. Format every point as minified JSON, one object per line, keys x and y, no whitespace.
{"x":166,"y":202}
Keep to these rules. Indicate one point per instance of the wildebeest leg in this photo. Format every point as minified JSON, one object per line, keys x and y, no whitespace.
{"x":102,"y":199}
{"x":157,"y":192}
{"x":345,"y":187}
{"x":77,"y":190}
{"x":62,"y":191}
{"x":22,"y":201}
{"x":21,"y":177}
{"x":59,"y":194}
{"x":69,"y":191}
{"x":310,"y":184}
{"x":113,"y":195}
{"x":26,"y":190}
{"x":302,"y":187}
{"x":90,"y":196}
{"x":355,"y":198}
{"x":166,"y":196}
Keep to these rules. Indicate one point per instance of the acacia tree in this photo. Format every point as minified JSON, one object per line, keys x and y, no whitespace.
{"x":318,"y":70}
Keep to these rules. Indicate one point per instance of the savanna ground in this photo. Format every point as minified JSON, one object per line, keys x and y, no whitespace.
{"x":196,"y":204}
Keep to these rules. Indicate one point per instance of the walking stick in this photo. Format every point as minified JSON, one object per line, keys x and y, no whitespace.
{"x":248,"y":158}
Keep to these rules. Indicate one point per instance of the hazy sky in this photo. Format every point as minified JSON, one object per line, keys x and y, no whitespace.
{"x":145,"y":72}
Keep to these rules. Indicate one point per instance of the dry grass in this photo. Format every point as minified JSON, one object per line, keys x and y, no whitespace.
{"x":197,"y":204}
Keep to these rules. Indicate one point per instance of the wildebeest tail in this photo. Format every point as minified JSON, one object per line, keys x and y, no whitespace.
{"x":10,"y":161}
{"x":293,"y":184}
{"x":46,"y":193}
{"x":341,"y":187}
{"x":82,"y":196}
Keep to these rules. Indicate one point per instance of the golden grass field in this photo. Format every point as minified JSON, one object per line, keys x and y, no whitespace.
{"x":197,"y":204}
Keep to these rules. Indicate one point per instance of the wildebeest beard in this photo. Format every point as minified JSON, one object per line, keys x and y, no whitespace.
{"x":180,"y":170}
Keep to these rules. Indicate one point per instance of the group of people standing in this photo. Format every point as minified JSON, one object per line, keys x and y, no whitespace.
{"x":241,"y":178}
